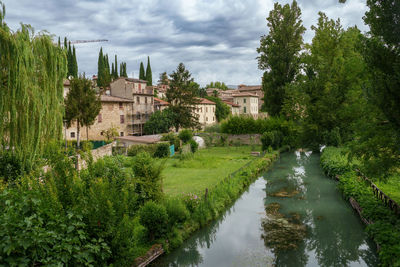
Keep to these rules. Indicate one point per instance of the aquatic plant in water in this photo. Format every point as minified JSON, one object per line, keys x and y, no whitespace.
{"x":281,"y":232}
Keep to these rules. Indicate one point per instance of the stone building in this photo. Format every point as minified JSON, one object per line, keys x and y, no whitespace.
{"x":253,"y":89}
{"x":142,"y":97}
{"x":224,"y":95}
{"x":160,"y":104}
{"x":205,"y":110}
{"x":248,"y":103}
{"x":235,"y":108}
{"x":114,"y":113}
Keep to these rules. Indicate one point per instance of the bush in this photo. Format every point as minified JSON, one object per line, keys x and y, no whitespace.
{"x":10,"y":166}
{"x":193,"y":145}
{"x":136,"y":149}
{"x":173,"y":139}
{"x":154,"y":217}
{"x":162,"y":151}
{"x":271,"y":139}
{"x":177,"y":212}
{"x":185,"y":135}
{"x":215,"y":128}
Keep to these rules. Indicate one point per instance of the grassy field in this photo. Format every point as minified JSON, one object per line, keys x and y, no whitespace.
{"x":205,"y":170}
{"x":391,"y":187}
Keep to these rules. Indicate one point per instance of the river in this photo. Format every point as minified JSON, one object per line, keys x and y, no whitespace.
{"x":291,"y":216}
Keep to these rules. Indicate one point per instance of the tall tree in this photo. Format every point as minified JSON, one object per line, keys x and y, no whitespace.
{"x":32,"y":71}
{"x":116,"y":68}
{"x":149,"y":75}
{"x":222,"y":110}
{"x":163,"y":78}
{"x":82,"y":105}
{"x":100,"y":69}
{"x":279,"y":53}
{"x":219,"y":85}
{"x":74,"y":64}
{"x":182,"y":98}
{"x":142,"y":75}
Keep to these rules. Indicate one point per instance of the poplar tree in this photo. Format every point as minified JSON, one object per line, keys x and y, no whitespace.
{"x":100,"y":69}
{"x":74,"y":64}
{"x":280,"y":53}
{"x":149,"y":76}
{"x":142,"y":75}
{"x":32,"y":70}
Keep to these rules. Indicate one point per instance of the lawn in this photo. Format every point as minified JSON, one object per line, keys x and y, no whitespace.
{"x":205,"y":170}
{"x":391,"y":187}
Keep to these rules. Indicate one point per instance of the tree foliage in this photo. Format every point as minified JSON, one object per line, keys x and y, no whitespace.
{"x":222,"y":110}
{"x":142,"y":74}
{"x":279,"y":53}
{"x":219,"y":85}
{"x":182,"y":97}
{"x":103,"y":70}
{"x":149,"y":75}
{"x":159,"y":122}
{"x":82,"y":104}
{"x":32,"y":70}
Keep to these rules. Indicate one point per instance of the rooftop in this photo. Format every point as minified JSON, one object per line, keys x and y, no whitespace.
{"x":109,"y":98}
{"x":231,"y":104}
{"x":249,"y":87}
{"x":205,"y":101}
{"x":162,"y":102}
{"x":150,"y":139}
{"x":243,"y":94}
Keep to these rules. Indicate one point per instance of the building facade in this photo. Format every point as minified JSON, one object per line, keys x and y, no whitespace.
{"x":253,"y":89}
{"x":205,"y":111}
{"x":248,"y":103}
{"x":142,"y":97}
{"x":113,"y":114}
{"x":235,"y":108}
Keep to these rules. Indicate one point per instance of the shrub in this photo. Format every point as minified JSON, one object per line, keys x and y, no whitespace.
{"x":162,"y":151}
{"x":185,"y":135}
{"x":173,"y":139}
{"x":10,"y":166}
{"x":193,"y":145}
{"x":154,"y":217}
{"x":136,"y":149}
{"x":215,"y":128}
{"x":177,"y":211}
{"x":271,"y":139}
{"x":192,"y":201}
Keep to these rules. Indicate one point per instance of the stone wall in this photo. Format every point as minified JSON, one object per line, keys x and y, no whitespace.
{"x":221,"y":139}
{"x":96,"y":154}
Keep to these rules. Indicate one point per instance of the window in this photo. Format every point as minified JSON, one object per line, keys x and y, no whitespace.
{"x":201,"y":109}
{"x":121,"y":105}
{"x":99,"y":118}
{"x":213,"y":118}
{"x":138,"y":99}
{"x":140,"y":87}
{"x":72,"y":134}
{"x":138,"y":116}
{"x":121,"y":134}
{"x":244,"y":101}
{"x":213,"y":109}
{"x":206,"y":109}
{"x":122,"y":119}
{"x":145,"y":100}
{"x":244,"y":109}
{"x":206,"y":118}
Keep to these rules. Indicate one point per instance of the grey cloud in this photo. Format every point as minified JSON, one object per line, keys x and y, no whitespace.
{"x":216,"y":40}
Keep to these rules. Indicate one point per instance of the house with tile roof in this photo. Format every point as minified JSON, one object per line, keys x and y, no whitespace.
{"x":253,"y":89}
{"x":248,"y":103}
{"x":205,"y":111}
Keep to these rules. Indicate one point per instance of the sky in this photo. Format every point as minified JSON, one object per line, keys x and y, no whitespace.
{"x":215,"y":39}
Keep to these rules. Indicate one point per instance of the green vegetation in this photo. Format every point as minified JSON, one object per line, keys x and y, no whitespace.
{"x":219,"y":85}
{"x":386,"y":224}
{"x":32,"y":70}
{"x":207,"y":168}
{"x":149,"y":75}
{"x":159,"y":122}
{"x":222,"y":110}
{"x":142,"y":75}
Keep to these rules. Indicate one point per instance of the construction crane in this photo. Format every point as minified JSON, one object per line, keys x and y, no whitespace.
{"x":88,"y":41}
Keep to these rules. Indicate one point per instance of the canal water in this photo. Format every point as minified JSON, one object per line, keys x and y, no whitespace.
{"x":291,"y":216}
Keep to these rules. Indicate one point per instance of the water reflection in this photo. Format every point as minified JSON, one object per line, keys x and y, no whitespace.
{"x":297,"y":218}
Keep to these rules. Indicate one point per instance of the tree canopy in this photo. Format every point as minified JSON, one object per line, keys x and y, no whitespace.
{"x":280,"y":53}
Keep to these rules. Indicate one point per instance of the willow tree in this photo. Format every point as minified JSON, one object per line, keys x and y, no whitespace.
{"x":32,"y":70}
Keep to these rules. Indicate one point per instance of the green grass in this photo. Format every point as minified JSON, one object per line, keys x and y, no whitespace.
{"x":391,"y":187}
{"x":205,"y":170}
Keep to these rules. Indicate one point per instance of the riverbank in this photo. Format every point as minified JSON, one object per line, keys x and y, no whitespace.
{"x":385,"y":224}
{"x":206,"y":207}
{"x":204,"y":170}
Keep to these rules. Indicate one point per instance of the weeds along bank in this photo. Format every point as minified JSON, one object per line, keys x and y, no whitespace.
{"x":108,"y":214}
{"x":385,"y":224}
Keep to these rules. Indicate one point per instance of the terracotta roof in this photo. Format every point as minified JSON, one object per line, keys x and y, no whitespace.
{"x":135,"y":80}
{"x":249,"y":87}
{"x":205,"y":101}
{"x":109,"y":98}
{"x":162,"y":102}
{"x":231,"y":104}
{"x":244,"y":94}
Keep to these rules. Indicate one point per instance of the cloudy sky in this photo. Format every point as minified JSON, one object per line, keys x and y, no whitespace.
{"x":215,"y":39}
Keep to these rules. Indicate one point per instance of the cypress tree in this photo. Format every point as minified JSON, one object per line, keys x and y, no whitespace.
{"x":116,"y":68}
{"x":100,"y":69}
{"x":121,"y":71}
{"x":112,"y":71}
{"x":142,"y":75}
{"x":74,"y":64}
{"x":70,"y":61}
{"x":65,"y":43}
{"x":59,"y":41}
{"x":125,"y":74}
{"x":149,"y":76}
{"x":107,"y":79}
